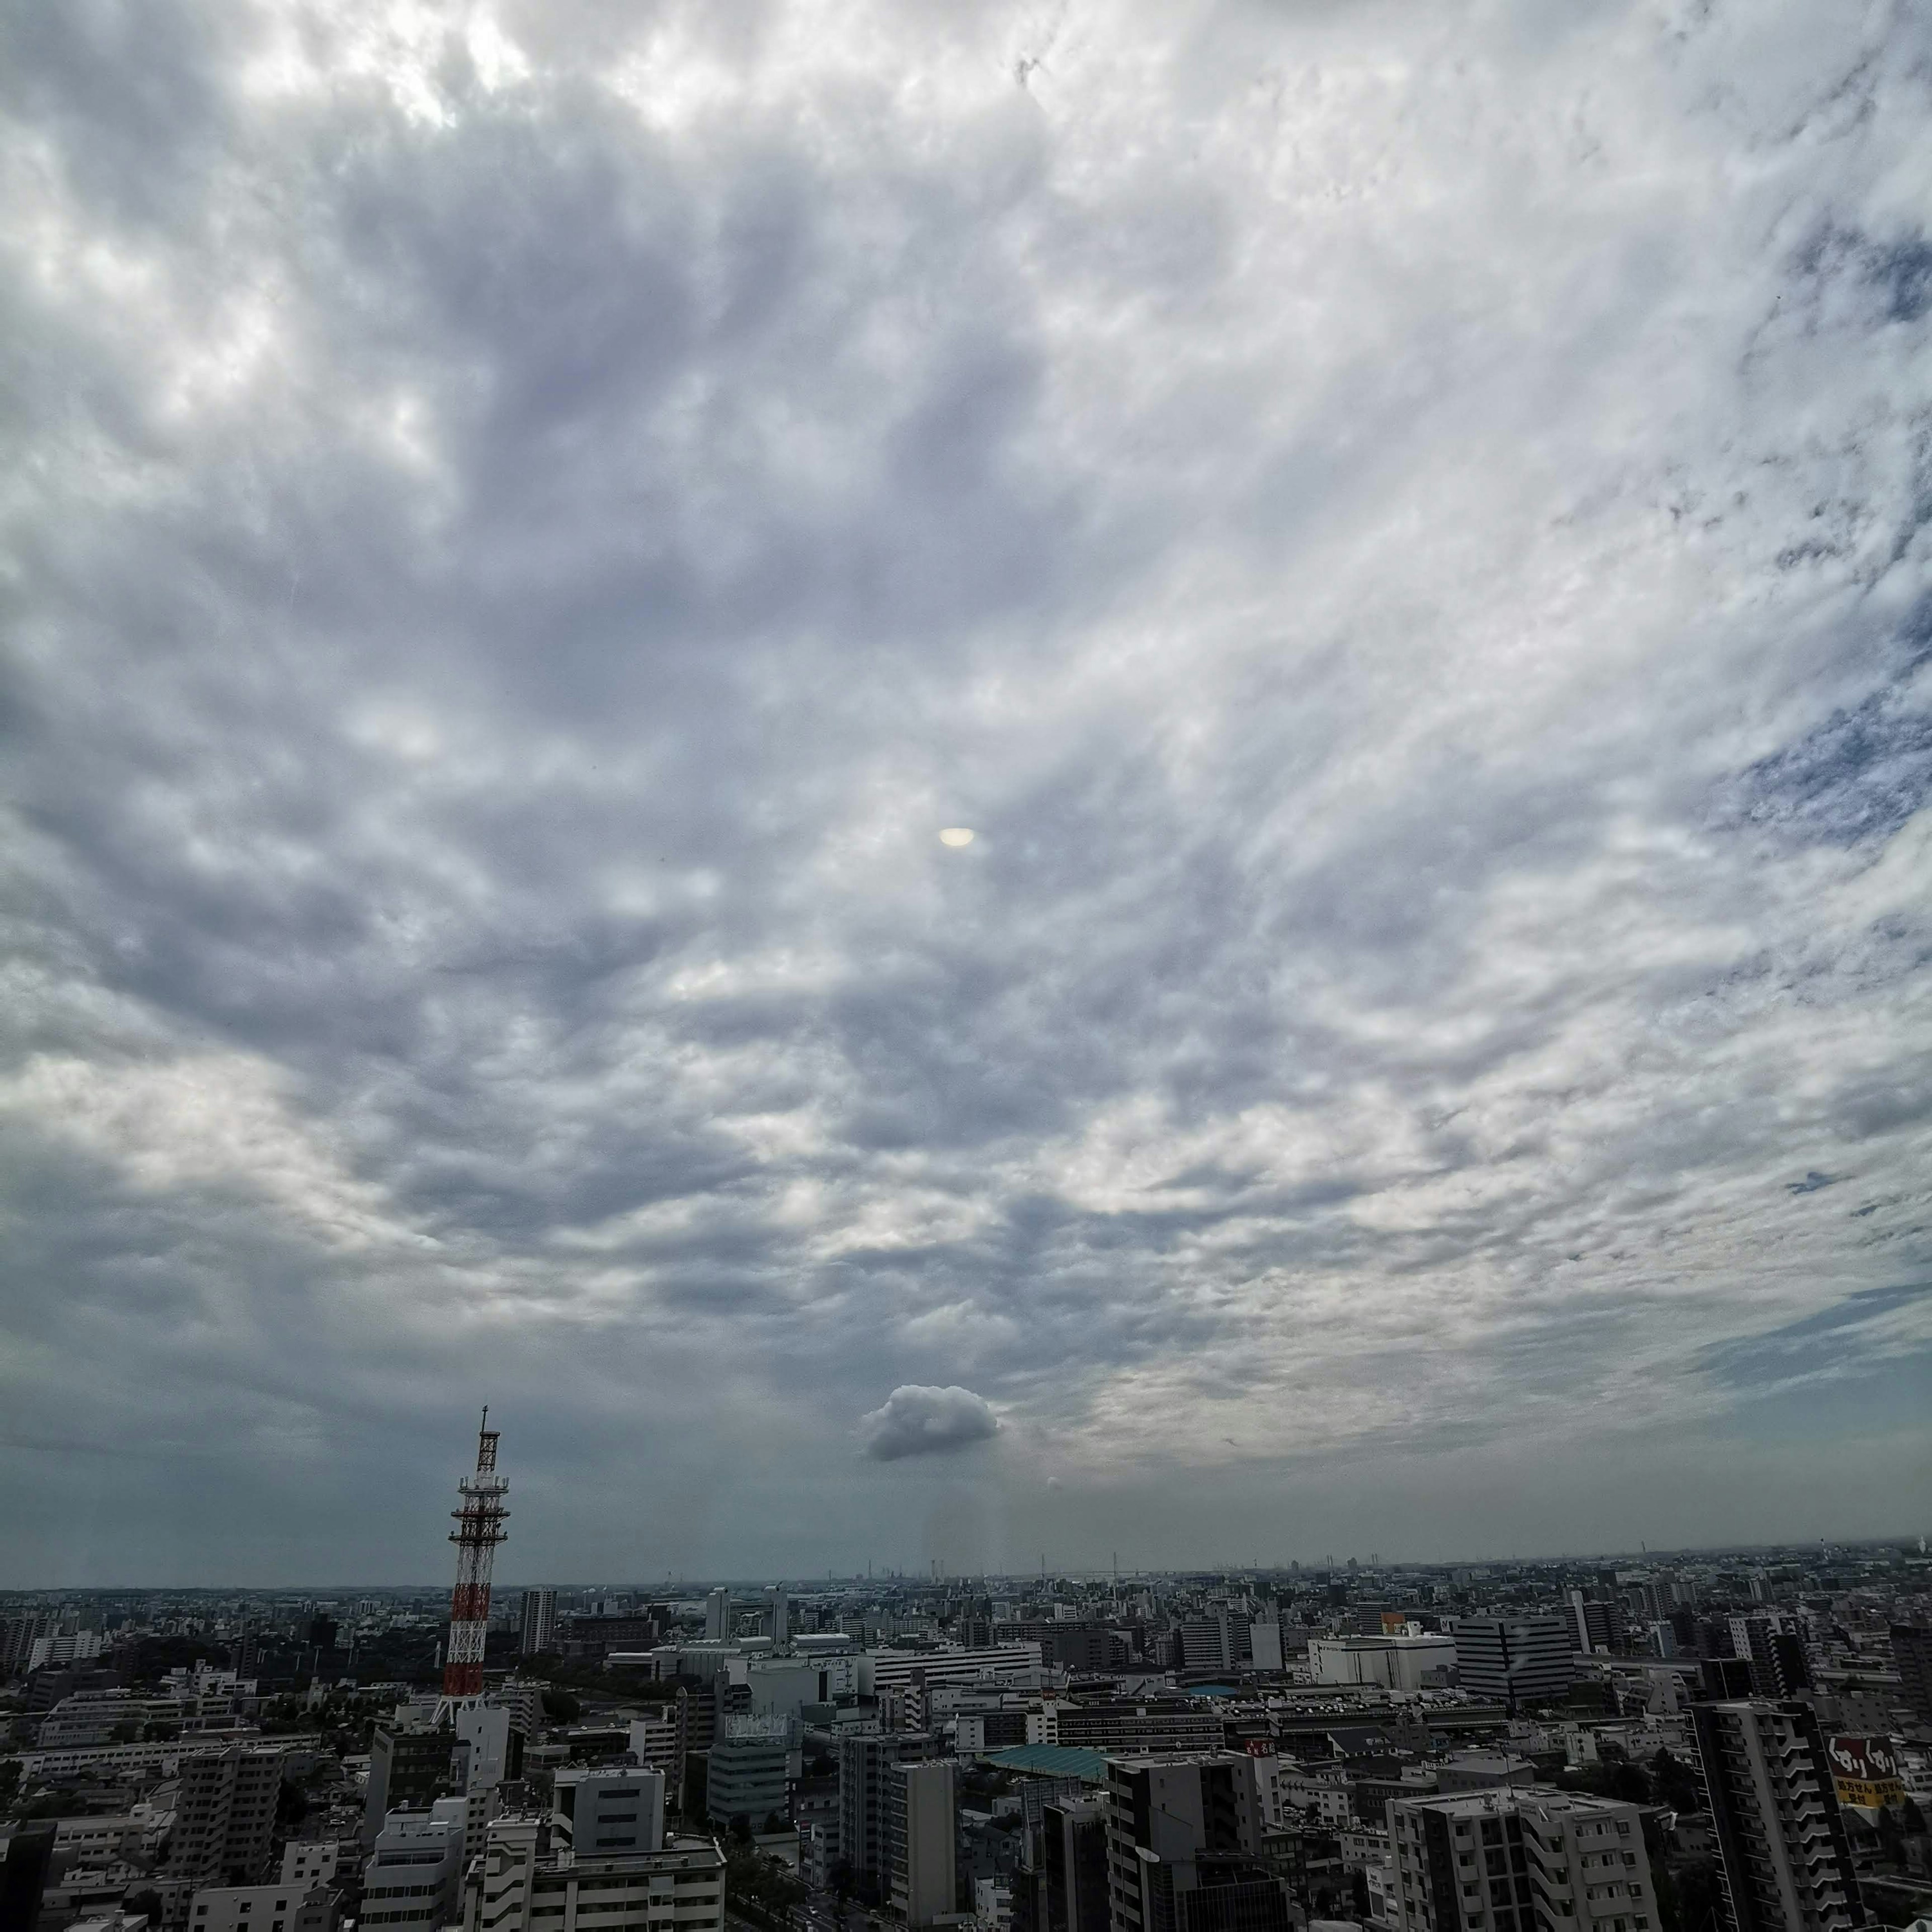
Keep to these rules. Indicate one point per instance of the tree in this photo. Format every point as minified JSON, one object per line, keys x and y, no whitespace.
{"x":740,"y":1828}
{"x":560,"y":1707}
{"x":774,"y":1823}
{"x":146,"y":1904}
{"x":1674,"y":1784}
{"x":1698,"y":1899}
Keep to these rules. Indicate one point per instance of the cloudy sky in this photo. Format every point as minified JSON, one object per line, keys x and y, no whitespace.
{"x":1402,"y":531}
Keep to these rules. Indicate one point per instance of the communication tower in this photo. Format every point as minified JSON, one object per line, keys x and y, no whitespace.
{"x":479,"y":1529}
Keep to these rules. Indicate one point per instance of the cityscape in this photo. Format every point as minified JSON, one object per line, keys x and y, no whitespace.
{"x":965,"y":966}
{"x":1721,"y":1741}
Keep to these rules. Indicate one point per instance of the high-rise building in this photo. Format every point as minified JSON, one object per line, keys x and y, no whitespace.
{"x":1912,"y":1652}
{"x":1782,"y":1856}
{"x":1073,"y":1866}
{"x":265,"y":1908}
{"x":1594,"y":1625}
{"x":919,"y":1828}
{"x":1183,"y":1839}
{"x":1529,"y":1860}
{"x":1516,"y":1660}
{"x":1779,"y":1668}
{"x":225,"y":1815}
{"x":864,"y":1763}
{"x":718,"y":1616}
{"x":539,"y":1622}
{"x":26,"y":1855}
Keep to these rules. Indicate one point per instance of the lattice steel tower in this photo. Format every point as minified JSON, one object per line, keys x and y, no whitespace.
{"x":479,"y":1529}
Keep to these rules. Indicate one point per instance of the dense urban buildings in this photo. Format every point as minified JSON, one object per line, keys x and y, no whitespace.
{"x":1707,"y":1742}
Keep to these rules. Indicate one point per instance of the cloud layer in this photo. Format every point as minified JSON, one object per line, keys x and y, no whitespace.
{"x":1406,"y":539}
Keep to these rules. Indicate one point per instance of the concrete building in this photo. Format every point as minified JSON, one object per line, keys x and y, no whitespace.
{"x":1184,"y":1846}
{"x":539,"y":1626}
{"x":1133,"y":1727}
{"x":525,"y":1882}
{"x":1515,"y":1860}
{"x":1013,"y":1663}
{"x":865,"y":1764}
{"x":1911,"y":1655}
{"x":752,"y":1770}
{"x":602,"y":1812}
{"x":1515,"y":1660}
{"x":1782,"y":1852}
{"x":410,"y":1766}
{"x":717,"y":1617}
{"x":1073,"y":1865}
{"x":265,"y":1908}
{"x":1389,"y":1662}
{"x":225,"y":1815}
{"x":313,"y":1862}
{"x":414,"y":1875}
{"x":920,"y":1827}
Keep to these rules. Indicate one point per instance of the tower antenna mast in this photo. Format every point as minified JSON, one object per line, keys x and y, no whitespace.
{"x":479,"y":1529}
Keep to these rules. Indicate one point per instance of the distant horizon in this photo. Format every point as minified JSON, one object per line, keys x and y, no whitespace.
{"x":806,"y":1582}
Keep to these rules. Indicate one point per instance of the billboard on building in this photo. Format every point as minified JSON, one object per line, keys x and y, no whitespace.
{"x":1865,"y":1771}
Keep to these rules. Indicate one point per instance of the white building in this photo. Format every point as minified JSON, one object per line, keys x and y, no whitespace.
{"x":1390,"y":1662}
{"x":1519,"y":1860}
{"x":312,"y":1861}
{"x":521,"y":1879}
{"x":600,"y":1813}
{"x":414,"y":1875}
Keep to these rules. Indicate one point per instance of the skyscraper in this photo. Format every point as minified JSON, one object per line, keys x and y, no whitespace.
{"x":1782,"y":1852}
{"x":539,"y":1622}
{"x":1184,"y":1837}
{"x":920,"y":1825}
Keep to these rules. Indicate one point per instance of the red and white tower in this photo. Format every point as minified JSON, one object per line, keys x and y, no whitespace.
{"x":479,"y":1529}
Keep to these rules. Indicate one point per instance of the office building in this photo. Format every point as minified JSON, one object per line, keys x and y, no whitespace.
{"x":1516,"y":1661}
{"x":1118,"y":1725}
{"x":265,"y":1908}
{"x":718,"y":1627}
{"x":414,"y":1874}
{"x":1073,"y":1866}
{"x":1518,"y":1860}
{"x":1784,"y":1863}
{"x":918,"y":1829}
{"x":1390,"y":1662}
{"x":410,"y":1766}
{"x":225,"y":1815}
{"x":1912,"y":1654}
{"x":1184,"y":1844}
{"x":612,"y":1809}
{"x":752,"y":1770}
{"x":538,"y":1634}
{"x":882,"y":1670}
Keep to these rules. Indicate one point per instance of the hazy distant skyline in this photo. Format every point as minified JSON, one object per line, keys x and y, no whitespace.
{"x":1403,"y":533}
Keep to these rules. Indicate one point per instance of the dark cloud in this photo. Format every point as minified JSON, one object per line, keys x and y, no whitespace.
{"x":916,"y":1421}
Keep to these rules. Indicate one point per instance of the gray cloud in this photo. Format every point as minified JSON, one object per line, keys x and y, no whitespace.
{"x":916,"y":1421}
{"x":1407,"y":540}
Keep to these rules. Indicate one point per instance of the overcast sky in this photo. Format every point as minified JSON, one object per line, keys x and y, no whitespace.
{"x":1403,"y":531}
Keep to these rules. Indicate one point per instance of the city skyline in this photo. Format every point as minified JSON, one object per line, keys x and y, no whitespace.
{"x":962,"y":781}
